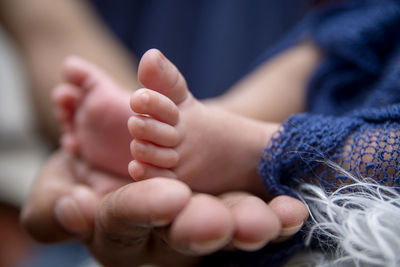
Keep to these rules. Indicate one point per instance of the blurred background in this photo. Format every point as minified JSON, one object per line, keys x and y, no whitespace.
{"x":213,"y":42}
{"x":22,"y":152}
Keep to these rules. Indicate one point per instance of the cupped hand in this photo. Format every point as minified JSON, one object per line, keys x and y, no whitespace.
{"x":158,"y":221}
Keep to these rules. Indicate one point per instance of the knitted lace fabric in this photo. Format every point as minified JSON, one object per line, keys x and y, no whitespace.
{"x":353,"y":116}
{"x":353,"y":101}
{"x":300,"y":151}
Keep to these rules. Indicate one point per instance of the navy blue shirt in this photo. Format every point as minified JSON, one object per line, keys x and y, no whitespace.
{"x":212,"y":42}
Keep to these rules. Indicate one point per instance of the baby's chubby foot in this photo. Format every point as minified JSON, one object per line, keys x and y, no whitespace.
{"x":93,"y":111}
{"x":177,"y":136}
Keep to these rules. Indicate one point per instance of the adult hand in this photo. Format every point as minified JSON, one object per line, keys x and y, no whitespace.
{"x":154,"y":221}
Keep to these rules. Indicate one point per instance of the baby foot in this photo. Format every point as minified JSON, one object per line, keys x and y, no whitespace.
{"x":93,"y":111}
{"x":176,"y":136}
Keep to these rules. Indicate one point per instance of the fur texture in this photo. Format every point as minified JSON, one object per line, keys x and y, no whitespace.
{"x":358,"y":224}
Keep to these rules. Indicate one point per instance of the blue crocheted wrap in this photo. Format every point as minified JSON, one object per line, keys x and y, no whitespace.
{"x":353,"y":118}
{"x":353,"y":102}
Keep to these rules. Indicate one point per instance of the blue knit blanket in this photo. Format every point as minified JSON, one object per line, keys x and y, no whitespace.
{"x":353,"y":110}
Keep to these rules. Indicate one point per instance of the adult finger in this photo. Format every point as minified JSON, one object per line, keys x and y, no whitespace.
{"x":54,"y":180}
{"x":204,"y":226}
{"x":291,"y":212}
{"x":76,"y":211}
{"x":256,"y":223}
{"x":126,"y":217}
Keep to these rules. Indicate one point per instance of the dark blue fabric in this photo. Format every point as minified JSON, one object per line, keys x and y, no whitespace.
{"x":353,"y":101}
{"x":212,"y":42}
{"x":361,"y":41}
{"x":355,"y":92}
{"x":272,"y":255}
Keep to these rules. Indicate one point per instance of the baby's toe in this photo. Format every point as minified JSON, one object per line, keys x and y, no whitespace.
{"x":69,"y":142}
{"x":150,"y":130}
{"x":156,"y":105}
{"x":158,"y":73}
{"x":84,"y":74}
{"x":66,"y":98}
{"x":141,"y":171}
{"x":154,"y":155}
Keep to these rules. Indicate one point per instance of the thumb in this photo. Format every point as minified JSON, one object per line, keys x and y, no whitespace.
{"x":76,"y":212}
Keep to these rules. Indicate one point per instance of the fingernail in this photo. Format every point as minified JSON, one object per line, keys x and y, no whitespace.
{"x":139,"y":147}
{"x":162,"y":60}
{"x":135,"y":171}
{"x":86,"y":202}
{"x":136,"y":124}
{"x":207,"y":247}
{"x":144,"y":97}
{"x":249,"y":246}
{"x":70,"y":216}
{"x":289,"y":231}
